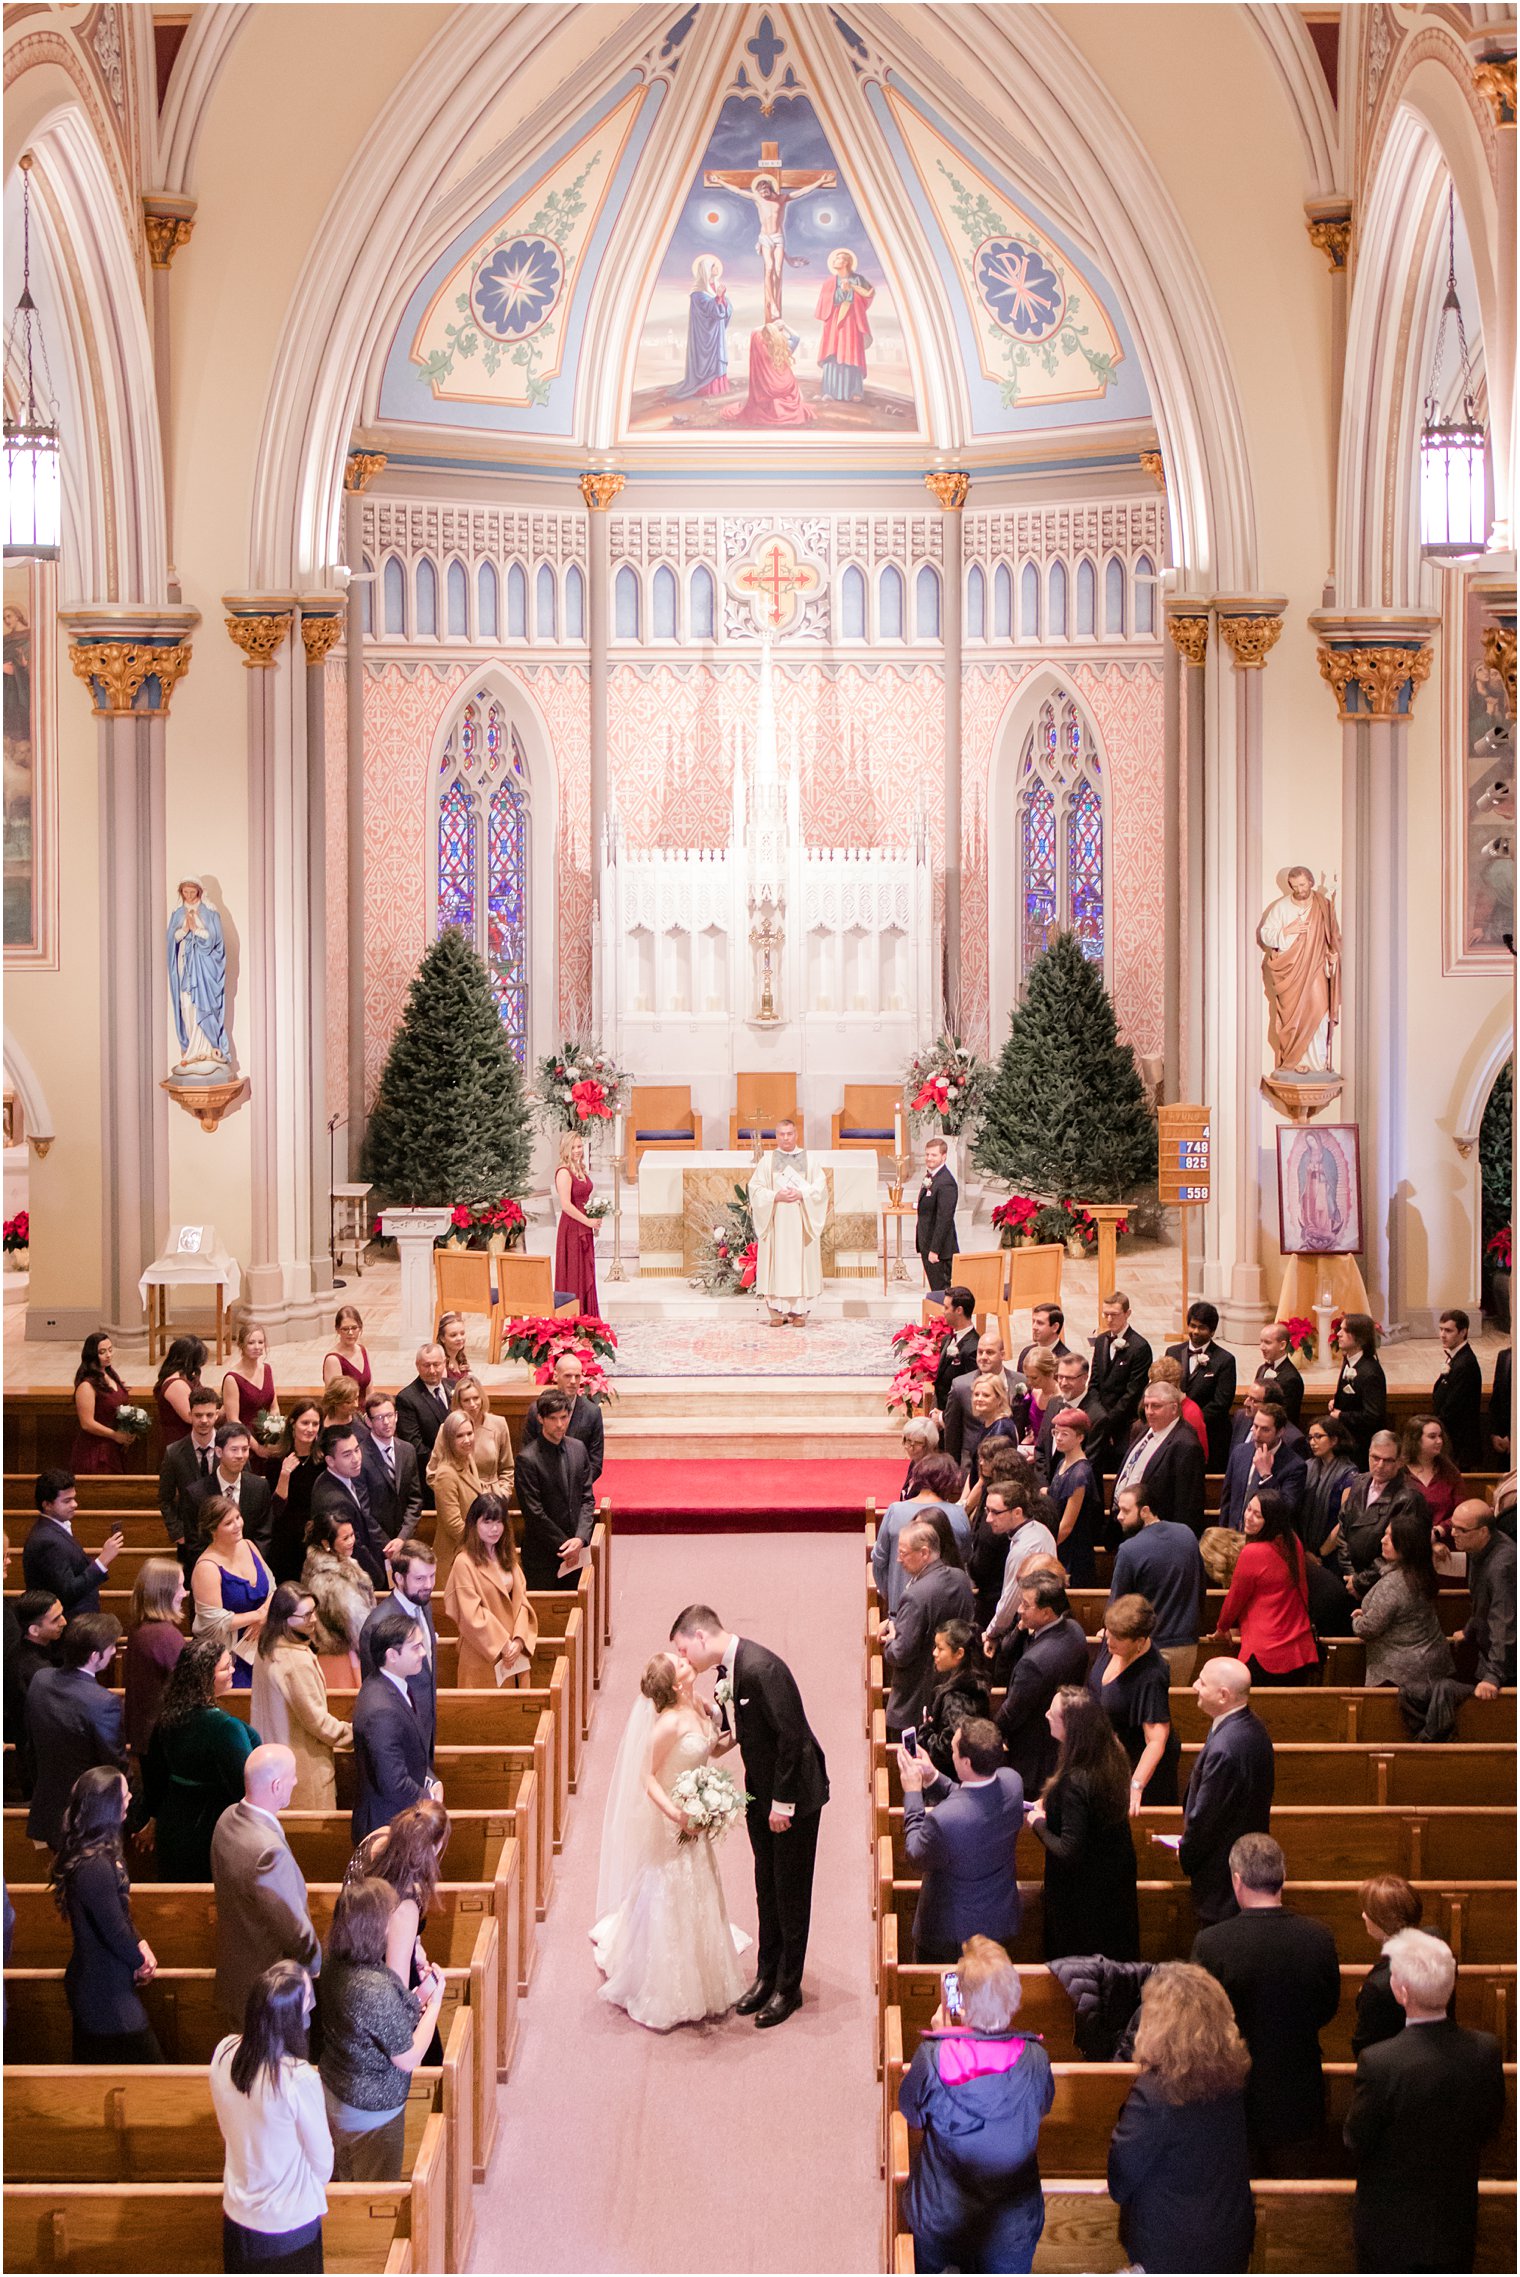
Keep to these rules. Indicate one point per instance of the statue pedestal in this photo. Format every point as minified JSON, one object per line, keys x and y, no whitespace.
{"x":1307,"y":1276}
{"x":1300,"y":1097}
{"x":414,"y":1233}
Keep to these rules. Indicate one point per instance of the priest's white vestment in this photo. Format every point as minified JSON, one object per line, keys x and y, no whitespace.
{"x":788,"y":1234}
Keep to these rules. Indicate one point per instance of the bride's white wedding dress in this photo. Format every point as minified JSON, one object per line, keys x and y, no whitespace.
{"x":664,"y":1942}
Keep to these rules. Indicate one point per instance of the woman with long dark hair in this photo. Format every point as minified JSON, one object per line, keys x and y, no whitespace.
{"x":155,"y":1640}
{"x":289,"y":1702}
{"x":1268,"y":1597}
{"x":343,"y":1592}
{"x":960,"y":1691}
{"x":408,"y":1853}
{"x":1430,"y":1465}
{"x":194,"y":1766}
{"x":99,"y":1396}
{"x":298,"y":1463}
{"x":374,"y":2034}
{"x":487,"y":1600}
{"x":109,"y":1960}
{"x":267,"y":2096}
{"x":1330,"y":1472}
{"x":177,"y":1379}
{"x":1406,"y":1644}
{"x":1082,"y":1822}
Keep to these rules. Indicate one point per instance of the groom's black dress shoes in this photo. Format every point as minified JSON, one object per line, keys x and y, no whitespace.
{"x":757,"y":1997}
{"x":778,"y":2008}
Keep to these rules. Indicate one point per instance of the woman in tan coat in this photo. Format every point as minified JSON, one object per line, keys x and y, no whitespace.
{"x":456,"y":1483}
{"x":487,"y":1600}
{"x":493,"y":1441}
{"x":289,"y":1702}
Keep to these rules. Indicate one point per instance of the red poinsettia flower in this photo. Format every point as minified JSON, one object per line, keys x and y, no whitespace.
{"x":748,"y":1264}
{"x":1499,"y":1249}
{"x":462,"y":1216}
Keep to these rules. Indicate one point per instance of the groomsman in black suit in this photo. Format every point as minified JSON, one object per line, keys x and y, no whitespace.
{"x":1208,"y":1376}
{"x":1120,"y":1364}
{"x":1278,"y":1370}
{"x":957,"y":1355}
{"x":390,"y":1745}
{"x":1047,"y":1321}
{"x":935,"y":1238}
{"x":1457,"y":1393}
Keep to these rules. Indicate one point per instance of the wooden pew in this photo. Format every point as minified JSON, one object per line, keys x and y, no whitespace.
{"x":1315,"y":1716}
{"x":1409,"y":1776}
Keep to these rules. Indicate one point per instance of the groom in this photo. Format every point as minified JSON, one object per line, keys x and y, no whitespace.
{"x":788,"y":1784}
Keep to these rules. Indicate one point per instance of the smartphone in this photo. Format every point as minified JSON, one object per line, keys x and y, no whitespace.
{"x":952,"y":1994}
{"x":910,"y":1741}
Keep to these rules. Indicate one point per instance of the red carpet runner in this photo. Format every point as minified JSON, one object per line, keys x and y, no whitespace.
{"x":718,"y":1497}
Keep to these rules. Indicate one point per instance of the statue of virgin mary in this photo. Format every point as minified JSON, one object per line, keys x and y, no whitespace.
{"x":198,"y":987}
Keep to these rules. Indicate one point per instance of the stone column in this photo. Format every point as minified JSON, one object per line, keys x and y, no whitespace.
{"x":167,"y":223}
{"x":1375,"y":662}
{"x":950,"y":486}
{"x":130,"y":661}
{"x":1187,"y":625}
{"x":359,"y":472}
{"x":599,"y":490}
{"x":322,"y":617}
{"x":1328,"y":221}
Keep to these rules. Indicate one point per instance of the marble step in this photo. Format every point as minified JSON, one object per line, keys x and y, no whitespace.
{"x":748,"y":1433}
{"x":819,"y":1401}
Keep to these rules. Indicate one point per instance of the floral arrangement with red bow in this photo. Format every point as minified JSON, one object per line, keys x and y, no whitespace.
{"x":949,"y":1082}
{"x":579,"y":1084}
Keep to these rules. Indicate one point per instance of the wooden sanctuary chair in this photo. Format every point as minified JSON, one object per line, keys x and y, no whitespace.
{"x":525,"y":1286}
{"x":867,"y":1117}
{"x":985,"y":1273}
{"x":761,"y":1101}
{"x":463,"y":1281}
{"x":660,"y":1117}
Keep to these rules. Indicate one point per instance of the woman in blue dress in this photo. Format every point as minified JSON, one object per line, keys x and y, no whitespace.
{"x":231,"y":1585}
{"x":1077,"y":1496}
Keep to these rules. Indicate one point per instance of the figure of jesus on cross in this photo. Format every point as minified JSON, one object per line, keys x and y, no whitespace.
{"x":772,"y":187}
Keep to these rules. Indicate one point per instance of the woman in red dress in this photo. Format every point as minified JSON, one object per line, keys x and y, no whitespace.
{"x":177,"y":1379}
{"x":452,"y":1334}
{"x":348,"y":1358}
{"x":1430,"y":1465}
{"x":98,"y":1393}
{"x":249,"y":1398}
{"x":575,"y":1243}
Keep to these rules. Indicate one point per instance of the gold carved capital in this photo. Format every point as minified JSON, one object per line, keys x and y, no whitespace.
{"x":1495,"y":82}
{"x":259,"y":638}
{"x":599,"y":490}
{"x":1333,"y":237}
{"x":166,"y":233}
{"x":318,"y":635}
{"x":1250,"y":640}
{"x":1499,"y":656}
{"x":116,"y":671}
{"x":360,"y":469}
{"x":1190,"y":636}
{"x":1378,"y":676}
{"x":950,"y":486}
{"x":1155,"y":467}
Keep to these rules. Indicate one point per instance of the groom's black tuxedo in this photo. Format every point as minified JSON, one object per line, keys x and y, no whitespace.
{"x":783,"y":1763}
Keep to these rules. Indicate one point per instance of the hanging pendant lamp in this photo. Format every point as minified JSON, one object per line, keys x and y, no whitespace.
{"x":1453,"y":516}
{"x":33,"y":492}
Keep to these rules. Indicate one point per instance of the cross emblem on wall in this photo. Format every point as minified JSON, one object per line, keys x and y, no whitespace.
{"x":775,"y":580}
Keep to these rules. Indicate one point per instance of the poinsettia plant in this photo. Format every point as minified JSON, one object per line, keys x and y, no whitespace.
{"x":1302,"y":1335}
{"x":540,"y":1341}
{"x":473,"y":1224}
{"x":917,"y":1347}
{"x":948,"y":1083}
{"x":1014,"y":1218}
{"x":579,"y":1084}
{"x":18,"y":1231}
{"x":1497,"y":1250}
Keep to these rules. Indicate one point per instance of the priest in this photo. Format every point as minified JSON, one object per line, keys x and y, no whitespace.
{"x":789,"y":1201}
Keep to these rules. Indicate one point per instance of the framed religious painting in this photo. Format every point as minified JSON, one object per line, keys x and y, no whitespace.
{"x":1319,"y":1189}
{"x":31,"y":881}
{"x":1478,"y":773}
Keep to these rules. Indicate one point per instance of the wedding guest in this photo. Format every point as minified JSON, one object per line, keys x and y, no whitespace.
{"x":493,"y":1440}
{"x":1457,"y":1393}
{"x":1397,"y":1619}
{"x":186,"y":1463}
{"x":155,"y":1640}
{"x":267,"y":2096}
{"x":554,"y":1496}
{"x":456,"y":1483}
{"x":1370,"y":1501}
{"x":487,"y":1600}
{"x":1489,"y":1632}
{"x":1055,"y":1653}
{"x":421,"y":1407}
{"x":1081,"y":1821}
{"x":1040,"y":1396}
{"x":1279,"y":1378}
{"x":99,"y":1395}
{"x":342,"y":1497}
{"x":1262,"y":1460}
{"x":374,"y":2035}
{"x":920,"y":1437}
{"x":51,"y":1559}
{"x":978,"y":2089}
{"x":407,"y":1854}
{"x":348,"y":1356}
{"x":389,"y":1469}
{"x":934,"y":1485}
{"x":1046,"y":1322}
{"x":991,"y":1420}
{"x":247,"y":1397}
{"x":1120,"y":1361}
{"x":233,"y":1480}
{"x":934,"y":1593}
{"x":1073,"y":1389}
{"x":962,"y":1832}
{"x":1329,"y":1473}
{"x":289,"y":1703}
{"x":1009,"y":1530}
{"x":1330,"y":1606}
{"x":1169,"y":1459}
{"x":1282,"y":1974}
{"x":300,"y":1464}
{"x":109,"y":1960}
{"x":575,"y":1241}
{"x":1208,"y":1375}
{"x":1388,"y":1905}
{"x":1179,"y":2168}
{"x":1268,"y":1599}
{"x":1360,"y":1398}
{"x":341,"y":1403}
{"x":261,"y":1914}
{"x":959,"y":1694}
{"x":339,"y":1587}
{"x":1166,"y":1370}
{"x":1425,"y":2104}
{"x":1254,"y":1396}
{"x":957,"y":1354}
{"x":1131,"y":1682}
{"x":1159,"y":1560}
{"x":231,"y":1585}
{"x":179,"y":1373}
{"x":39,"y":1623}
{"x":193,"y":1770}
{"x":991,"y":1360}
{"x":1428,"y":1465}
{"x":1230,"y":1790}
{"x":413,"y":1574}
{"x":453,"y":1335}
{"x":585,"y":1413}
{"x":392,"y":1751}
{"x":72,"y":1722}
{"x":1077,"y":1498}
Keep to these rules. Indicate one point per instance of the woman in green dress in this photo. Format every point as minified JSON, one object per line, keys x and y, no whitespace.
{"x":194,"y":1764}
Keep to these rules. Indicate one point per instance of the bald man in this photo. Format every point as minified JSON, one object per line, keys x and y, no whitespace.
{"x":1230,"y":1791}
{"x":261,"y":1912}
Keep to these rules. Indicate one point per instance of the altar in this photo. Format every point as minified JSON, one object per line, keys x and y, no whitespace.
{"x":683,"y":1196}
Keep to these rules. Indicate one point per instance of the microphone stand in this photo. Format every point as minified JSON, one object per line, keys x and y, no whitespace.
{"x":332,"y":1179}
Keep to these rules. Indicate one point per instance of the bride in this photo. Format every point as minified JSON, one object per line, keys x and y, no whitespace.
{"x":663,"y":1939}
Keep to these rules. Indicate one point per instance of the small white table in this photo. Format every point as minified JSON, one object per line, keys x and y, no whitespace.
{"x":188,"y":1263}
{"x":349,"y":1230}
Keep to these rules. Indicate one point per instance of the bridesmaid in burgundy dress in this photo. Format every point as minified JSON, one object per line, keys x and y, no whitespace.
{"x":177,"y":1379}
{"x":575,"y":1243}
{"x":98,"y":1393}
{"x":249,"y":1398}
{"x":348,"y":1357}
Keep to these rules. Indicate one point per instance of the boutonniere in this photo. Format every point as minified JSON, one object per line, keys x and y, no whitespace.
{"x":723,"y":1692}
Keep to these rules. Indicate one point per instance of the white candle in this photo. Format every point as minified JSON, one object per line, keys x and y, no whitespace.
{"x":897,"y":1127}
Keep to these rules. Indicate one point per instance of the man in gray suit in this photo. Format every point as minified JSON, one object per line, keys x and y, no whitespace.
{"x":936,"y":1593}
{"x":963,"y":1434}
{"x":964,"y":1843}
{"x":261,"y":1913}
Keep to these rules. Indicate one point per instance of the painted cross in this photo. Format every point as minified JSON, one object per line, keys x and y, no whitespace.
{"x":772,"y":187}
{"x":776,"y":579}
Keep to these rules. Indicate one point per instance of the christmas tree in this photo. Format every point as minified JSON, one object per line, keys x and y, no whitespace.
{"x":450,"y":1120}
{"x":1067,"y":1113}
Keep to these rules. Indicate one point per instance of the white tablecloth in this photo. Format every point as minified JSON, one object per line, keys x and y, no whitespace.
{"x":675,"y":1186}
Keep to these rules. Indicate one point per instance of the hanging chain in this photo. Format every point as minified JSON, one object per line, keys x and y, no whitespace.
{"x":1450,"y":306}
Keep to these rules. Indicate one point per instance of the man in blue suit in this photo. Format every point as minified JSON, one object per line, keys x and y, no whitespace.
{"x":1263,"y":1459}
{"x":390,"y":1746}
{"x":964,"y":1843}
{"x":1230,"y":1791}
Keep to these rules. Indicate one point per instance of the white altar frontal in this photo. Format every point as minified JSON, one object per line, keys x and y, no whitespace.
{"x":683,"y":1196}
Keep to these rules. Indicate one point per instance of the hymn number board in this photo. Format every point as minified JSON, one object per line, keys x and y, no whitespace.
{"x":1184,"y":1149}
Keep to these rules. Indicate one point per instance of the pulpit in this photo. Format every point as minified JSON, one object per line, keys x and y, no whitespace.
{"x":763,"y":1101}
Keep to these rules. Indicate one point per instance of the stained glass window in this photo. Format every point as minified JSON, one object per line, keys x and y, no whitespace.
{"x":852,"y":605}
{"x":517,"y":602}
{"x":487,"y":597}
{"x":663,"y":597}
{"x":1145,"y":595}
{"x":926,"y":603}
{"x":1087,"y":598}
{"x":456,"y":859}
{"x":507,"y":912}
{"x":483,"y":826}
{"x":625,"y":604}
{"x":1113,"y":597}
{"x":1037,"y":839}
{"x":1058,"y":600}
{"x":1084,"y":869}
{"x":1060,"y":833}
{"x":395,"y":596}
{"x":1029,"y":602}
{"x":1002,"y":603}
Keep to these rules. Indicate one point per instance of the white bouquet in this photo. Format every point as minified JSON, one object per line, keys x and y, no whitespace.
{"x":137,"y":1420}
{"x":710,"y":1800}
{"x":269,"y":1429}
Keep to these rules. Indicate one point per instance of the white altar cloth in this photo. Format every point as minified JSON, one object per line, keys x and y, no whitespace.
{"x":683,"y":1196}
